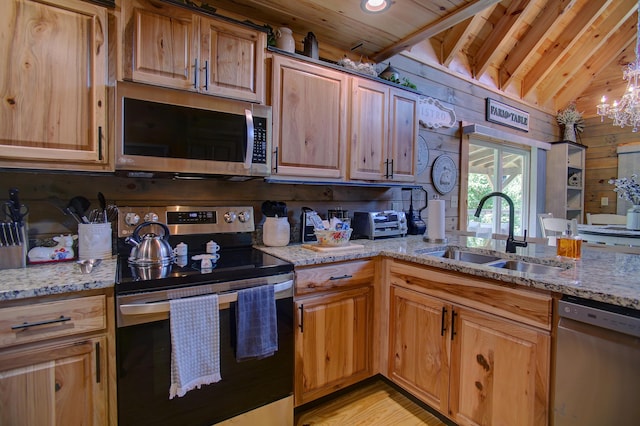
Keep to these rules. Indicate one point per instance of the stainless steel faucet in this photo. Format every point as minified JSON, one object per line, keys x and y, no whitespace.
{"x":511,"y":242}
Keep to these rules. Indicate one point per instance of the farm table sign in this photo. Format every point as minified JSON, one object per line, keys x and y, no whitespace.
{"x":506,"y":115}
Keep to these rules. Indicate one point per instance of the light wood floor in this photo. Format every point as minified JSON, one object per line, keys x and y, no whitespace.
{"x":376,"y":404}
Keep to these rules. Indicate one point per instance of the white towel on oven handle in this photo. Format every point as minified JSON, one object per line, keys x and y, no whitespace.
{"x":195,"y":343}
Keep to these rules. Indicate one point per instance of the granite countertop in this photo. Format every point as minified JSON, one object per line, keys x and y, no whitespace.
{"x":600,"y":275}
{"x":54,"y":278}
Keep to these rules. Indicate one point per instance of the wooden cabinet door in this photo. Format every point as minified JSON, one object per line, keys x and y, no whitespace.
{"x":232,"y":60}
{"x":369,"y":130}
{"x":384,"y":130}
{"x":309,"y":119}
{"x":52,"y":84}
{"x":161,"y":44}
{"x":500,"y":371}
{"x":419,"y":343}
{"x":62,"y":384}
{"x":403,"y":134}
{"x":333,"y":342}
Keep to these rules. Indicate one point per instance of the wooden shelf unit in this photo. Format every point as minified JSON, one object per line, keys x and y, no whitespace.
{"x":565,"y":180}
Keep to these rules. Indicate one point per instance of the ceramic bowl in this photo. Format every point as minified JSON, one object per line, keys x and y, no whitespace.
{"x":333,"y":238}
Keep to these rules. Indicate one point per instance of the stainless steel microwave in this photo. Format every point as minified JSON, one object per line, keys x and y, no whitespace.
{"x":170,"y":131}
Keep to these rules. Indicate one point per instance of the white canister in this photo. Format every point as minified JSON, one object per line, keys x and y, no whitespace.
{"x":633,"y":218}
{"x":284,"y":40}
{"x":275,"y":231}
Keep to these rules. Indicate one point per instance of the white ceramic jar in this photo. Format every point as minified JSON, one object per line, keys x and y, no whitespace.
{"x":284,"y":40}
{"x":275,"y":231}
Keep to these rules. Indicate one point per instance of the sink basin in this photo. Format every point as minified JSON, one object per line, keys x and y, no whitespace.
{"x":530,"y":268}
{"x":465,"y":256}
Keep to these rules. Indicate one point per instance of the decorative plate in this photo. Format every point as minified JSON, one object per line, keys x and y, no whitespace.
{"x":423,"y":155}
{"x":444,"y":174}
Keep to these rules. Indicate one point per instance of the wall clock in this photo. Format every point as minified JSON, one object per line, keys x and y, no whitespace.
{"x":444,"y":174}
{"x":423,"y":156}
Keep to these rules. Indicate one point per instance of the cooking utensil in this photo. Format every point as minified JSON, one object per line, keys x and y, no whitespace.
{"x":13,"y":209}
{"x":78,"y":207}
{"x":103,"y":206}
{"x":150,"y":249}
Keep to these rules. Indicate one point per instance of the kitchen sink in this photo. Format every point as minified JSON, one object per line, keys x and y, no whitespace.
{"x":496,"y":261}
{"x":527,"y":267}
{"x":463,"y":255}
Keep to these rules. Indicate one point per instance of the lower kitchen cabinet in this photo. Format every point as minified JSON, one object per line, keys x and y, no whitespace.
{"x":476,"y":351}
{"x":334,"y":328}
{"x":53,"y":359}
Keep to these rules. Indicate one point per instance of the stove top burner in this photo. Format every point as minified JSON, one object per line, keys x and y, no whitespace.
{"x":234,"y":264}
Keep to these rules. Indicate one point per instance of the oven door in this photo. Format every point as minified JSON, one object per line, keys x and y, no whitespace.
{"x":144,"y":359}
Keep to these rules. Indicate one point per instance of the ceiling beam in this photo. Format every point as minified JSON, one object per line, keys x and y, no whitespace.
{"x":434,"y":28}
{"x":455,"y":38}
{"x":600,"y":60}
{"x":525,"y":49}
{"x":506,"y":26}
{"x":597,"y":36}
{"x":566,"y":40}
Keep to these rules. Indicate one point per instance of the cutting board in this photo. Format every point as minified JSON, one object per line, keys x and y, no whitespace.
{"x":331,"y":249}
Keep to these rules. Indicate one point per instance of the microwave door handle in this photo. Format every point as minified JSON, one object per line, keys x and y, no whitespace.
{"x":250,"y":137}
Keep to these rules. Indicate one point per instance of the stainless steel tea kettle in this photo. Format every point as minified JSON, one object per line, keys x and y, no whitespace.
{"x":150,"y":249}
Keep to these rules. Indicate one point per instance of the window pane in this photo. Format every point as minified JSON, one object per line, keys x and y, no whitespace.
{"x":493,"y":167}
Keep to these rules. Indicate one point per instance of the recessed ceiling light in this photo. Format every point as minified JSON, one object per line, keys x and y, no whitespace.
{"x":375,"y":6}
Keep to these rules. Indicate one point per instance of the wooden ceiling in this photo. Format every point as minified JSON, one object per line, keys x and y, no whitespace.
{"x":544,"y":52}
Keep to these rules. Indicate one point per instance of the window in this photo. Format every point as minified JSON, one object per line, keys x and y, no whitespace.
{"x":495,"y":167}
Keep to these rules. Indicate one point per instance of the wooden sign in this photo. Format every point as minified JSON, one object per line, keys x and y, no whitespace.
{"x":500,"y":113}
{"x":432,"y":113}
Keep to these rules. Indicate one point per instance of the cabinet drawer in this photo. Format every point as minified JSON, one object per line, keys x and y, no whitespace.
{"x":335,"y":275}
{"x":41,"y":321}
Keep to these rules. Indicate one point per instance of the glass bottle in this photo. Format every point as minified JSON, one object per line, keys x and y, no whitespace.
{"x":569,"y":245}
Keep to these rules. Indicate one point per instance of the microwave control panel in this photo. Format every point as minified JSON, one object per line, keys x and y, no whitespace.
{"x":259,"y":140}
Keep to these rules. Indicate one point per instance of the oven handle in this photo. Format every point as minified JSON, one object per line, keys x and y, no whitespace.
{"x":163,"y":307}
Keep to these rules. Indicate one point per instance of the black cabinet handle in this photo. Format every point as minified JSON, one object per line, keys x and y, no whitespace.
{"x":100,"y":156}
{"x":195,"y":73}
{"x":62,"y":318}
{"x":340,"y":277}
{"x":301,"y":325}
{"x":391,"y":176}
{"x":206,"y":75}
{"x":454,"y":314}
{"x":386,"y":168}
{"x":98,"y":367}
{"x":443,"y":326}
{"x":275,"y":168}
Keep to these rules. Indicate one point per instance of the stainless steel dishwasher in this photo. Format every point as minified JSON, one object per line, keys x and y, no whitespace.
{"x":597,"y":380}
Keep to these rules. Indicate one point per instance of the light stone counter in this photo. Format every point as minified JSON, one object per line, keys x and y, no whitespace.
{"x":54,"y":278}
{"x":600,"y":275}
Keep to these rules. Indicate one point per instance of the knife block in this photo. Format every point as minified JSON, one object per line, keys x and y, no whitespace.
{"x":12,"y":257}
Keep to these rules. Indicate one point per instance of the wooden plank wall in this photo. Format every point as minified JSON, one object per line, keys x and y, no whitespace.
{"x":468,"y":100}
{"x":602,"y":140}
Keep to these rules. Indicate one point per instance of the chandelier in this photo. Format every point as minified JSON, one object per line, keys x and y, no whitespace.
{"x":626,"y":111}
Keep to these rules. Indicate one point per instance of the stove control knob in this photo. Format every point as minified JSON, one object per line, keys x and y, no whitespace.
{"x":131,"y":219}
{"x":230,"y":217}
{"x":151,"y":217}
{"x":244,"y":216}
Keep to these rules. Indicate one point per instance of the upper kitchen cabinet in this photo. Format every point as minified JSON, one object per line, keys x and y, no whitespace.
{"x":384,"y":130}
{"x":565,"y":180}
{"x":53,"y":85}
{"x":309,"y":119}
{"x":178,"y":48}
